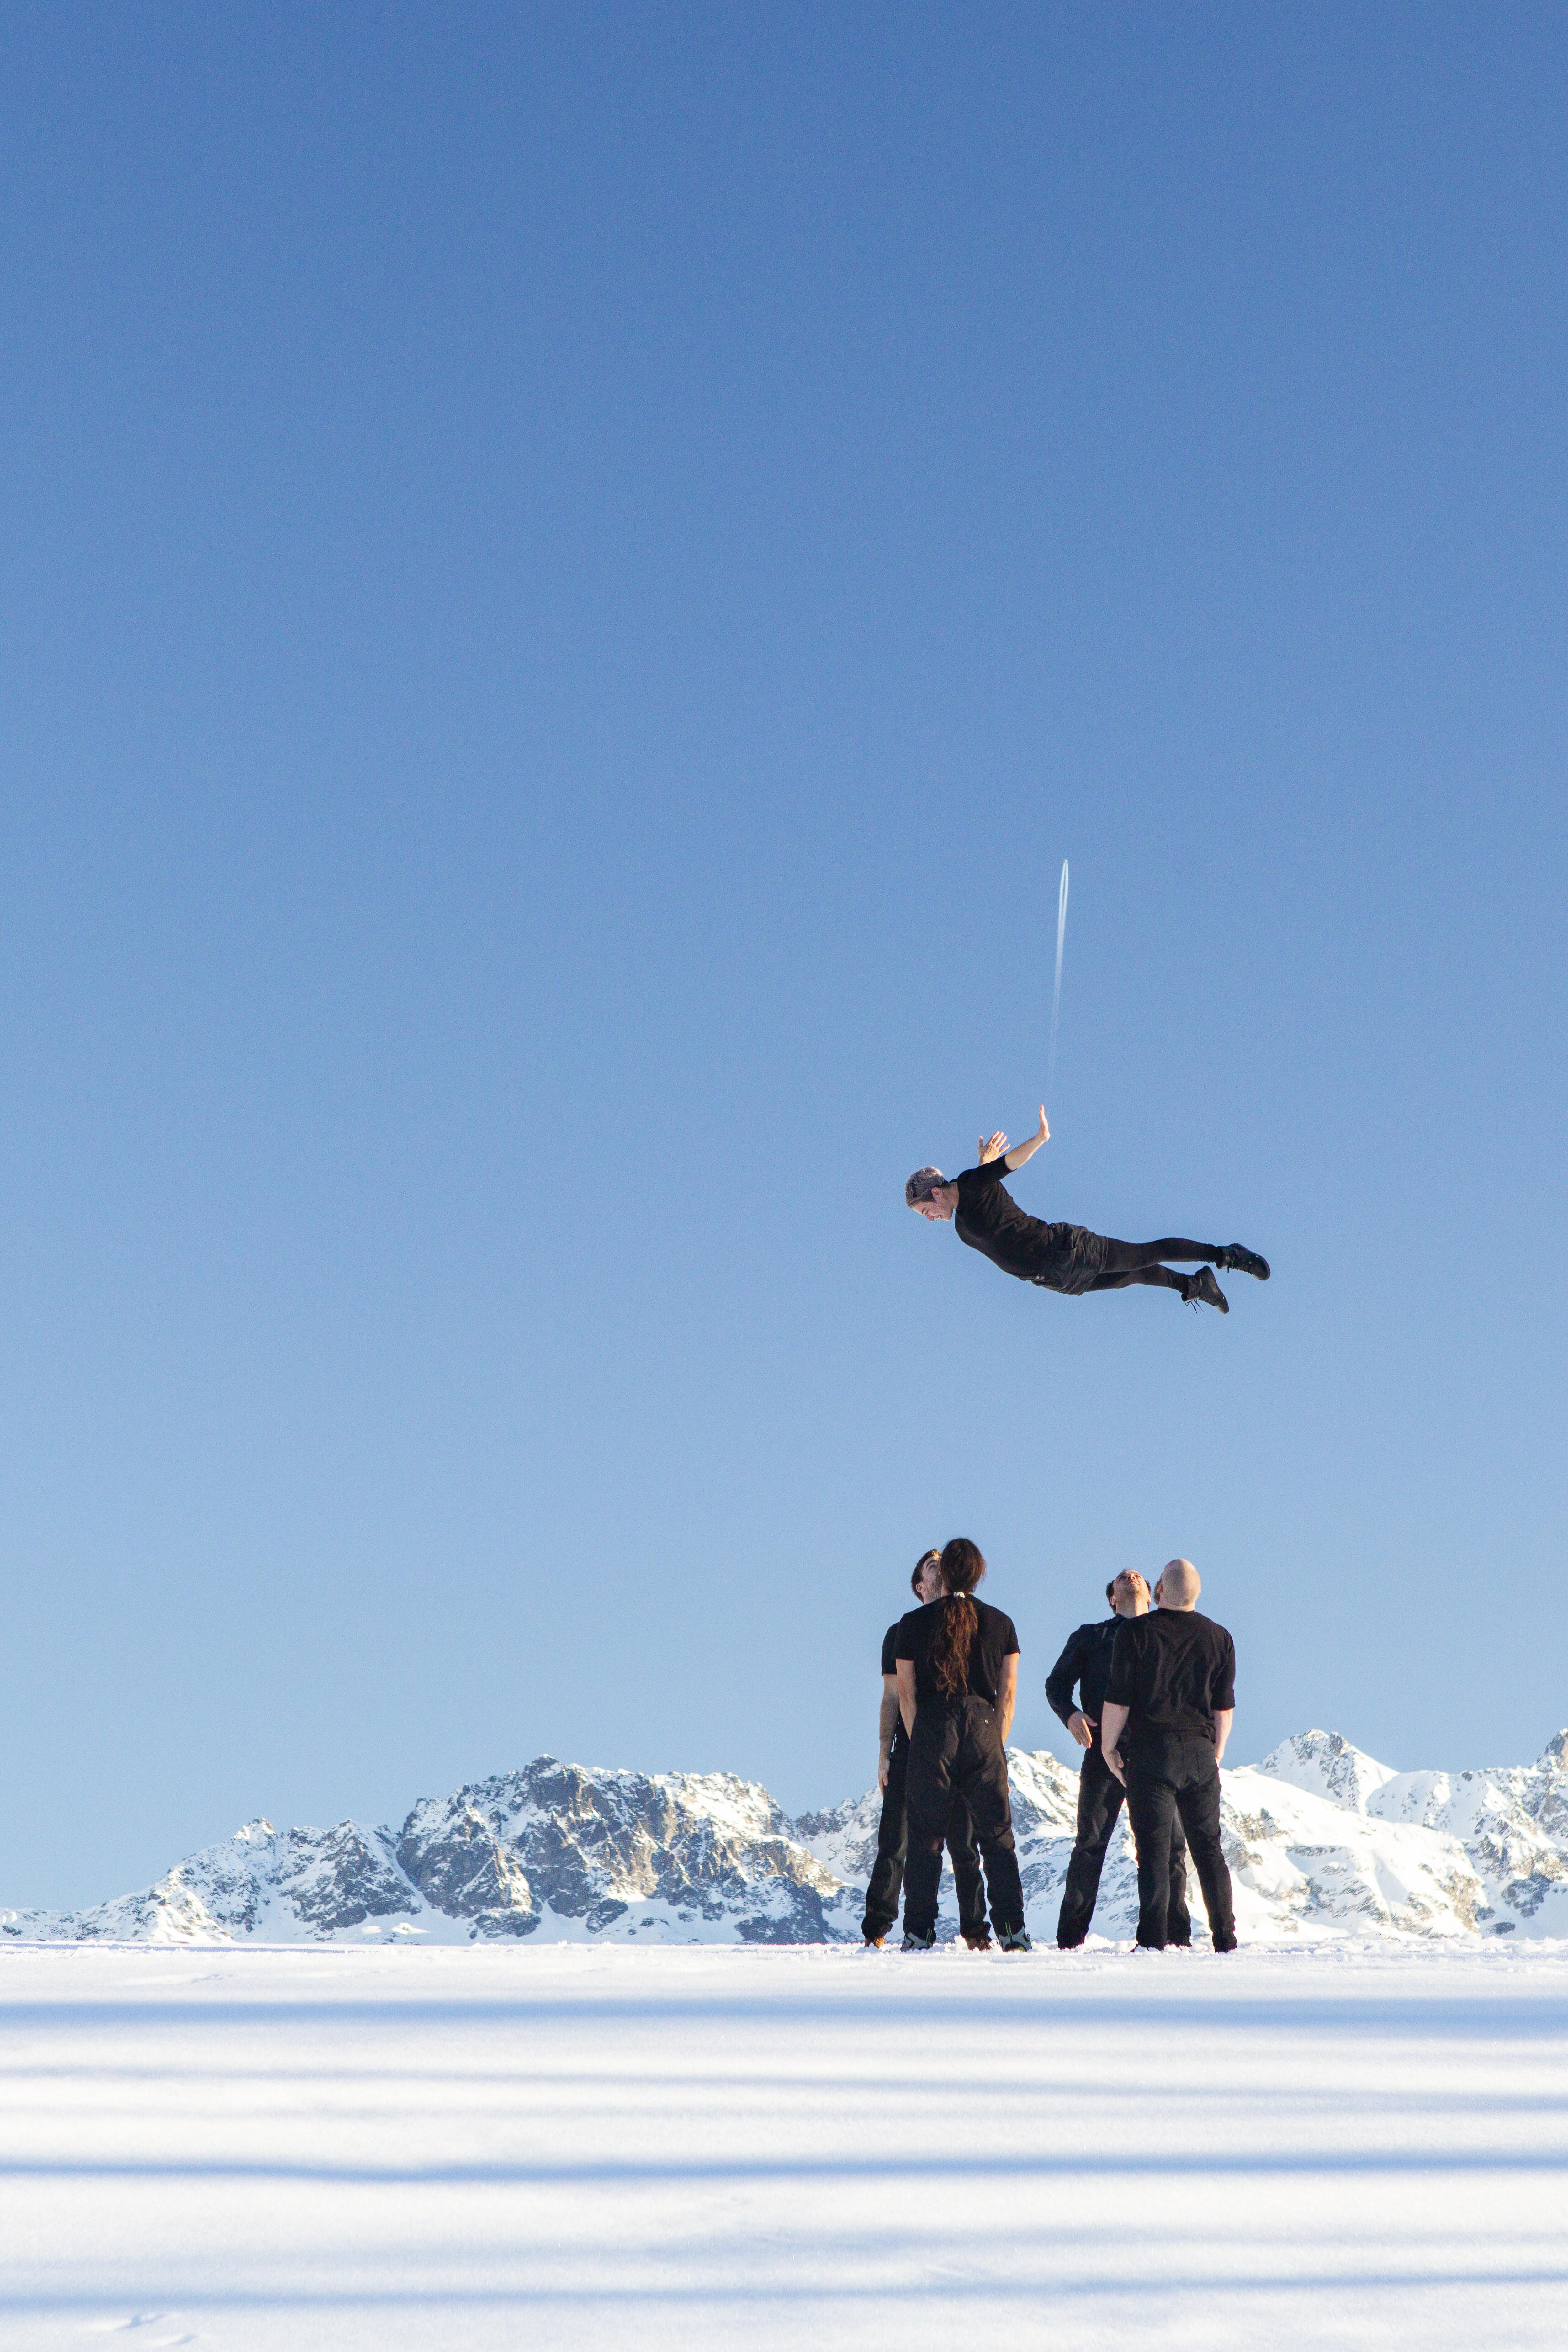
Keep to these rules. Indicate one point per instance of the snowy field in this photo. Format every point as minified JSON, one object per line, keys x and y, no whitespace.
{"x":1335,"y":2147}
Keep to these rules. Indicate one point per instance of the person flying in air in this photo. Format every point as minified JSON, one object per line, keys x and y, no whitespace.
{"x":1064,"y":1257}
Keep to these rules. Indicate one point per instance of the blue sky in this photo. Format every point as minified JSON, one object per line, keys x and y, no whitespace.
{"x":569,"y":579}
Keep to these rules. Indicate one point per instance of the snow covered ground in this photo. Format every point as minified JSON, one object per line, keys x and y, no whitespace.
{"x":1323,"y":2145}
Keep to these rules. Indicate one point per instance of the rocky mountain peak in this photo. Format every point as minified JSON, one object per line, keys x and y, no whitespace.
{"x":1322,"y":1839}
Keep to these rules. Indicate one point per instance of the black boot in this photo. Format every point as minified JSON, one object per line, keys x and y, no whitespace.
{"x":1234,"y":1259}
{"x":1201,"y":1289}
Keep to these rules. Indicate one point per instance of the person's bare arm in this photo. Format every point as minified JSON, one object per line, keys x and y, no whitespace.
{"x":1022,"y":1151}
{"x":1222,"y":1718}
{"x":1112,"y":1723}
{"x":906,"y":1693}
{"x":887,"y":1716}
{"x":1007,"y":1696}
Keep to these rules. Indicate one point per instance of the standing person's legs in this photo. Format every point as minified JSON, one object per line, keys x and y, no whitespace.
{"x":892,"y":1839}
{"x":966,"y":1879}
{"x":1197,"y":1798}
{"x":928,"y":1808}
{"x":1151,"y":1810}
{"x":980,"y":1776}
{"x":1178,"y":1919}
{"x":1099,"y":1798}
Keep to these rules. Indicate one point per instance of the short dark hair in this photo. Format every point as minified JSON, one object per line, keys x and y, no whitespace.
{"x":1110,"y":1592}
{"x":927,"y":1560}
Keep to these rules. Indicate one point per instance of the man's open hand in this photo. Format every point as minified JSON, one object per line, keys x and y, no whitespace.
{"x":1114,"y":1761}
{"x":994,"y":1150}
{"x":1045,"y":1134}
{"x":1081,"y":1728}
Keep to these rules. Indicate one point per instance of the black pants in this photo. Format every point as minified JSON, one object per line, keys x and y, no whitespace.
{"x":1129,"y":1261}
{"x":1173,"y":1775}
{"x":893,"y":1845}
{"x":956,"y":1751}
{"x":1099,"y":1798}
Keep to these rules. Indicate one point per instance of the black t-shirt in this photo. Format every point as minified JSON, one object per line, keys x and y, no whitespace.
{"x":890,"y":1654}
{"x":995,"y":1639}
{"x":1174,"y":1669}
{"x":989,"y":1219}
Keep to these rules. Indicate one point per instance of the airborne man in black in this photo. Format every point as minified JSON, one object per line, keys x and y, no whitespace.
{"x":1064,"y":1257}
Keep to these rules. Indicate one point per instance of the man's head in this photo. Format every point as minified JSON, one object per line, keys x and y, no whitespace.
{"x":929,"y":1194}
{"x":1129,"y":1593}
{"x":1179,"y":1586}
{"x":925,"y":1583}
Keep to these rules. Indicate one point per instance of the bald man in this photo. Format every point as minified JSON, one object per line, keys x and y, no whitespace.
{"x":1086,"y":1660}
{"x":1170,"y":1699}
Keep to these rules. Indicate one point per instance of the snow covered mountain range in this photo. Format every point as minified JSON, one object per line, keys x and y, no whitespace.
{"x":1324,"y":1842}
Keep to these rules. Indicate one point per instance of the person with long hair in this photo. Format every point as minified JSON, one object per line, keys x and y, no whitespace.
{"x":893,"y":1831}
{"x":958,"y":1685}
{"x":1066,"y":1257}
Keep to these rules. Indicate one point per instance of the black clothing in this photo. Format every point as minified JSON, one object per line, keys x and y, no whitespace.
{"x":1058,"y":1257}
{"x":1099,"y":1802}
{"x":1086,"y":1660}
{"x":893,"y":1845}
{"x":1174,"y":1669}
{"x":956,"y":1751}
{"x":1172,"y":1775}
{"x":994,"y":1639}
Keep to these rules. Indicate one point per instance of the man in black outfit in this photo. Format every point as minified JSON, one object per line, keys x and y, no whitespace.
{"x":1086,"y":1660}
{"x":1064,"y":1257}
{"x":958,"y":1746}
{"x":1171,"y":1697}
{"x":893,"y":1831}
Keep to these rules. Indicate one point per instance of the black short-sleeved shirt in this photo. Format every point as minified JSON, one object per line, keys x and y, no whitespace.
{"x":989,"y":1219}
{"x":890,"y":1654}
{"x":994,"y":1639}
{"x":1175,"y":1668}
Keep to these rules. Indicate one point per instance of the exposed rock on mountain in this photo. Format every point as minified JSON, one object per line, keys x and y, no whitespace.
{"x":1323,"y":1841}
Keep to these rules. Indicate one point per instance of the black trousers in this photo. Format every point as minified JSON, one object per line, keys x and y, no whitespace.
{"x":1172,"y":1776}
{"x":956,"y":1751}
{"x":1100,"y":1801}
{"x":893,"y":1845}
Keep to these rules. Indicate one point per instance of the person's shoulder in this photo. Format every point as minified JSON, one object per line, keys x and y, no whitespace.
{"x":892,"y":1632}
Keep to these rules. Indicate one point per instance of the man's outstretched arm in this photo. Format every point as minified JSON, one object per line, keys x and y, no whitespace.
{"x":1014,"y":1158}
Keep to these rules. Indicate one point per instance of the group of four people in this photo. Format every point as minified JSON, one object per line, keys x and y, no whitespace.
{"x":1156,"y":1695}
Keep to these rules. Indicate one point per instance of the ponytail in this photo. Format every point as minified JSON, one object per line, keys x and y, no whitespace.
{"x":963,"y":1566}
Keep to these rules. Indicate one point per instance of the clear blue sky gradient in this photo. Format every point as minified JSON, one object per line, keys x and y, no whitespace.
{"x":569,"y":578}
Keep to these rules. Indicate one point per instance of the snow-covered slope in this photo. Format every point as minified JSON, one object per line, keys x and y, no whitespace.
{"x":1322,"y":1841}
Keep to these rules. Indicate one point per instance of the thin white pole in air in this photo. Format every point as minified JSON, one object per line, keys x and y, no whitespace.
{"x":1057,"y":993}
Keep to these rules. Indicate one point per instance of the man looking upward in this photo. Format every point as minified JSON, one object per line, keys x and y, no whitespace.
{"x":1171,"y":1697}
{"x":1063,"y":1257}
{"x":893,"y":1830}
{"x":1086,"y":1660}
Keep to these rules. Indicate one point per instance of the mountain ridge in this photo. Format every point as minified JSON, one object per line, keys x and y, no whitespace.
{"x":1324,"y":1842}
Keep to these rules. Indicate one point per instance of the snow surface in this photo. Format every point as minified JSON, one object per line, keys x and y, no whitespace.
{"x":1322,"y":2145}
